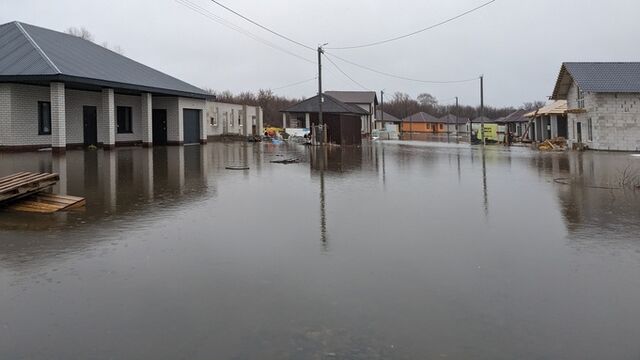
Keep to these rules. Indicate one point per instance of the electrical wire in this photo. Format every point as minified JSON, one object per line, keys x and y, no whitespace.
{"x":398,"y":76}
{"x":262,"y":26}
{"x":345,"y":74}
{"x":412,"y":33}
{"x":206,"y":13}
{"x":294,"y":84}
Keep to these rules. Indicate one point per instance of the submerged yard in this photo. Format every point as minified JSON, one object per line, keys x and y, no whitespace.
{"x":396,"y":250}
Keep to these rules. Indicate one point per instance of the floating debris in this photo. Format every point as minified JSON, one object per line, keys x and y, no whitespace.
{"x":237,"y":167}
{"x":285,"y":161}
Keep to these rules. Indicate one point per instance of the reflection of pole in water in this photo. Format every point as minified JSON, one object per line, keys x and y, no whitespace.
{"x":484,"y":184}
{"x":459,"y":177}
{"x":384,"y":170}
{"x":323,"y":214}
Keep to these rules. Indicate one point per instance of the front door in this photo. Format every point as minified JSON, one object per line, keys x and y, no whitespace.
{"x":579,"y":132}
{"x":90,"y":122}
{"x":159,"y":117}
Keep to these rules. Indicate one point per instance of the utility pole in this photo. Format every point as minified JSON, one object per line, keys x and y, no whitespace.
{"x":484,"y":140}
{"x":320,"y":100}
{"x":457,"y":121}
{"x":320,"y":94}
{"x":382,"y":107}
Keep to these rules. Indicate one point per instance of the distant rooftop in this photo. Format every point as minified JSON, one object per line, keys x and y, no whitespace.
{"x":30,"y":53}
{"x":422,"y":117}
{"x":452,"y":119}
{"x":330,"y":105}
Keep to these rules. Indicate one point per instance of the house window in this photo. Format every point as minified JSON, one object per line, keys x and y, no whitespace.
{"x":240,"y":112}
{"x":441,"y":126}
{"x":214,"y":119}
{"x":44,"y":118}
{"x":580,"y":99}
{"x":590,"y":129}
{"x":253,"y":120}
{"x":231,"y":119}
{"x":124,"y":120}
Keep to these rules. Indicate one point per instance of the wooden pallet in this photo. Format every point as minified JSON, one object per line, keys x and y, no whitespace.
{"x":47,"y":203}
{"x":23,"y":184}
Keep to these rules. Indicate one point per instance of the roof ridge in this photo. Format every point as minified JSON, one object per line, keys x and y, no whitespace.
{"x":37,"y":47}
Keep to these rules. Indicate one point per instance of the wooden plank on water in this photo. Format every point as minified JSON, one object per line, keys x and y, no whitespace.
{"x":48,"y":203}
{"x":23,"y":184}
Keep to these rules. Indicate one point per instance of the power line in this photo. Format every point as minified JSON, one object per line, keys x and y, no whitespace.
{"x":344,"y":73}
{"x":399,"y":76}
{"x":262,"y":26}
{"x":206,"y":13}
{"x":294,"y":84}
{"x":412,"y":33}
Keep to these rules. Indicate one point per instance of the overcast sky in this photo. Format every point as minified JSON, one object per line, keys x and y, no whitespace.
{"x":518,"y":45}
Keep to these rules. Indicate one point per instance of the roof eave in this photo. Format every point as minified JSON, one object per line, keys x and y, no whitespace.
{"x":102,"y":84}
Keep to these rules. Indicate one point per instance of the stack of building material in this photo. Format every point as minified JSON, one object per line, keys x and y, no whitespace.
{"x":23,"y":191}
{"x":23,"y":184}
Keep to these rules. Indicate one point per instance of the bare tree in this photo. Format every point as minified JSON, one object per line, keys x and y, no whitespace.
{"x":533,"y":105}
{"x":82,"y":33}
{"x":427,"y":100}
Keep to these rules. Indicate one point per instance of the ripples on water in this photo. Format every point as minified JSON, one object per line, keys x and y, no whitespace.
{"x":397,"y":250}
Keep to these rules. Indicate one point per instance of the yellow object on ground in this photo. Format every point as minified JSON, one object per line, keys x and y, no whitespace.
{"x":490,"y":132}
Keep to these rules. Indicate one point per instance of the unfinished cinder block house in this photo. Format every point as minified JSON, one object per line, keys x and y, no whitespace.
{"x":603,"y":104}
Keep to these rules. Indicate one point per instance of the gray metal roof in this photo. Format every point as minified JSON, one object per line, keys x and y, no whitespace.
{"x":598,"y":77}
{"x":387,"y":117}
{"x":452,"y":119}
{"x":482,"y":119}
{"x":355,"y":97}
{"x":330,"y":105}
{"x":32,"y":52}
{"x":422,"y":117}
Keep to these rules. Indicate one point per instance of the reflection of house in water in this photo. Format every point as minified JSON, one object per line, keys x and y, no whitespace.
{"x":594,"y":207}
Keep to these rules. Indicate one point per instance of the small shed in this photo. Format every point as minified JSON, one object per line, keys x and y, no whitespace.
{"x":548,"y":122}
{"x":342,"y":121}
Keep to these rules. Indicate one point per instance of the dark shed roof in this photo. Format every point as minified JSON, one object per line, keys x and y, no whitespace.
{"x":422,"y":117}
{"x":32,"y":53}
{"x":599,"y":77}
{"x":387,"y":117}
{"x":330,"y":105}
{"x":355,"y":97}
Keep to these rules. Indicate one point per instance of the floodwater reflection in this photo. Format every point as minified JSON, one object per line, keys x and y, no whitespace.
{"x":392,"y":250}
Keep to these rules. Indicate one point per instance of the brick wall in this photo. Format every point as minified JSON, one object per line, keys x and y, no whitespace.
{"x":615,"y":120}
{"x":5,"y":113}
{"x":171,"y":105}
{"x":232,"y":112}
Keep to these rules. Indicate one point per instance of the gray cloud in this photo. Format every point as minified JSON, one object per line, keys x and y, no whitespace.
{"x":517,"y":44}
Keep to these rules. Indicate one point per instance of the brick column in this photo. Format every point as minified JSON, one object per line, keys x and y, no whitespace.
{"x":307,"y":120}
{"x":58,"y":120}
{"x":108,"y":119}
{"x":284,"y":120}
{"x":259,"y":121}
{"x":146,"y":120}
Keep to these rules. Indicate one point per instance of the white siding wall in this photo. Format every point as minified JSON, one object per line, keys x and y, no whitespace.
{"x":76,"y":99}
{"x":24,"y":115}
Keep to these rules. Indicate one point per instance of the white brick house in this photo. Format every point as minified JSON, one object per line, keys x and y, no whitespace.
{"x":60,"y":91}
{"x":366,"y":100}
{"x":233,"y":119}
{"x":603,"y":101}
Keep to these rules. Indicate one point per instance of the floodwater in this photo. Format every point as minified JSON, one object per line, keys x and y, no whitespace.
{"x":396,"y":250}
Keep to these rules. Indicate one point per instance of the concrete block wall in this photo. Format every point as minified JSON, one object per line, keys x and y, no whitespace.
{"x":615,"y":120}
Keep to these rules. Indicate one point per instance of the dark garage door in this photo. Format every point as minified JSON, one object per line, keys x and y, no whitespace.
{"x":191,"y":119}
